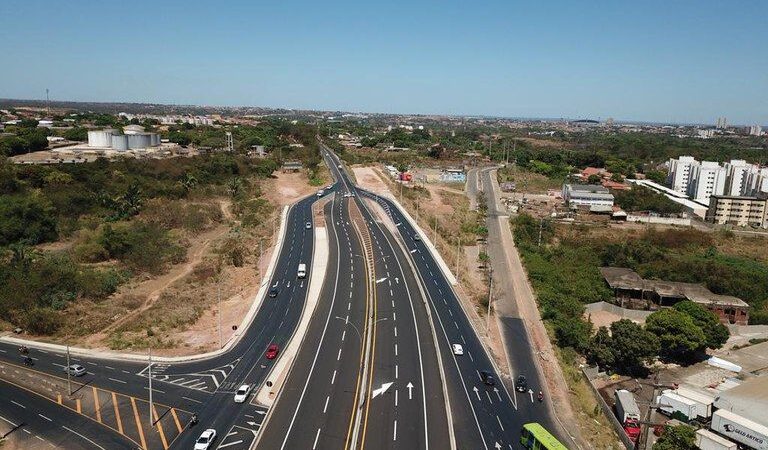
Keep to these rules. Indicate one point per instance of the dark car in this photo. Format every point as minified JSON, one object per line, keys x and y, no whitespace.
{"x":487,"y":378}
{"x":521,"y":384}
{"x":273,"y":293}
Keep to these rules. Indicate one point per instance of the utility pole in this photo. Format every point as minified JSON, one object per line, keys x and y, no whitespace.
{"x":69,"y":382}
{"x":149,"y":377}
{"x":261,"y":256}
{"x":47,"y":103}
{"x":458,"y":255}
{"x":541,"y":225}
{"x":434,"y":234}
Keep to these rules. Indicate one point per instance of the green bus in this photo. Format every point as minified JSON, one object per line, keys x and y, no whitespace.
{"x":535,"y":437}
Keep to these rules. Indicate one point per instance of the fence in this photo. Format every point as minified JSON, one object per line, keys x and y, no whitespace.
{"x":625,"y":313}
{"x":589,"y":373}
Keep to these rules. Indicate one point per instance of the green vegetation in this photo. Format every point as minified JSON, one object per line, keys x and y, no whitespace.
{"x":640,"y":198}
{"x":681,"y":437}
{"x":564,"y":272}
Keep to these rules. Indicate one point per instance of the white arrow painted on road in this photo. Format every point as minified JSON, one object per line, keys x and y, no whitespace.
{"x":381,"y":390}
{"x":381,"y":280}
{"x":496,"y":390}
{"x":398,"y":224}
{"x":302,"y":284}
{"x":276,"y":282}
{"x":530,"y":392}
{"x":410,"y":390}
{"x":288,"y":285}
{"x":253,"y":424}
{"x":414,"y":250}
{"x":261,"y":412}
{"x":397,"y":280}
{"x":477,"y":392}
{"x":498,"y":446}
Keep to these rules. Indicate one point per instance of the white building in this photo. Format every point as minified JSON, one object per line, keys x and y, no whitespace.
{"x":706,"y":179}
{"x":755,"y":130}
{"x":757,"y":181}
{"x":738,"y":172}
{"x":595,"y":196}
{"x":680,"y":173}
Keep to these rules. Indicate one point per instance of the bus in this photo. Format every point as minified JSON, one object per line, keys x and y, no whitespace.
{"x":535,"y":437}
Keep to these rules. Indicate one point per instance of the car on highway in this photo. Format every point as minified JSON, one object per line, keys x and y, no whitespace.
{"x":320,"y":193}
{"x":458,"y":349}
{"x":242,"y":393}
{"x":308,"y":225}
{"x":273,"y":292}
{"x":76,"y":370}
{"x":416,"y":237}
{"x":329,"y":187}
{"x":272,"y":351}
{"x":487,"y":378}
{"x":206,"y":439}
{"x":521,"y":384}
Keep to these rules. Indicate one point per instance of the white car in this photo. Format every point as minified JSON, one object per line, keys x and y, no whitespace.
{"x":308,"y":225}
{"x":242,"y":393}
{"x":205,"y":440}
{"x":76,"y":370}
{"x":458,"y":349}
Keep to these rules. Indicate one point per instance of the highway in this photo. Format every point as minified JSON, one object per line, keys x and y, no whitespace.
{"x":205,"y":387}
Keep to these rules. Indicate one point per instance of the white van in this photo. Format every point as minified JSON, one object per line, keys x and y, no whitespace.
{"x":302,"y":270}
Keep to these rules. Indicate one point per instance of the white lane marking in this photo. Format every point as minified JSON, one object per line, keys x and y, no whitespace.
{"x":396,"y":391}
{"x":395,"y":349}
{"x":396,"y":371}
{"x":75,"y":432}
{"x":333,"y":378}
{"x":395,"y":331}
{"x":109,"y":367}
{"x":19,"y":405}
{"x":317,"y":436}
{"x":325,"y":408}
{"x":338,"y":356}
{"x":343,"y":335}
{"x":49,"y":420}
{"x":394,"y":432}
{"x":230,"y":443}
{"x":155,"y":390}
{"x":117,"y":381}
{"x":500,"y":425}
{"x":191,"y":399}
{"x":93,"y":364}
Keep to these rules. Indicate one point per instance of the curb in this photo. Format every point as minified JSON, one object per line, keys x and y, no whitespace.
{"x":86,"y":352}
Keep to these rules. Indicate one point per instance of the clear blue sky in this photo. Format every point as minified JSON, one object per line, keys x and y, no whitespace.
{"x":679,"y":60}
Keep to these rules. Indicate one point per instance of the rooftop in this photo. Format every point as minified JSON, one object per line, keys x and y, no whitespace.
{"x":592,"y":188}
{"x":749,"y":400}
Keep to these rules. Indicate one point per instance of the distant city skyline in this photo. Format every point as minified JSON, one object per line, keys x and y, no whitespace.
{"x":679,"y":62}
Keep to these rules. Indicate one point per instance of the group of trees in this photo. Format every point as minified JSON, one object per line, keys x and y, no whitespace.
{"x":563,"y":268}
{"x":640,"y":198}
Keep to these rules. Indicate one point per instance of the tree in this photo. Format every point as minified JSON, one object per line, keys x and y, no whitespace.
{"x":617,"y":177}
{"x":681,"y":437}
{"x":594,"y":179}
{"x":657,"y":176}
{"x":600,"y":351}
{"x":76,"y":134}
{"x":716,"y":333}
{"x":632,"y":345}
{"x":680,"y":338}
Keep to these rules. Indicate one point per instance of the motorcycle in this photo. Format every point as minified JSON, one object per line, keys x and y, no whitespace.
{"x":28,"y":361}
{"x":193,"y":421}
{"x":23,"y":350}
{"x":541,"y":396}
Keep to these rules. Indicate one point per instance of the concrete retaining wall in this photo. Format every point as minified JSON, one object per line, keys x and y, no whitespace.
{"x":631,"y":314}
{"x":660,"y":220}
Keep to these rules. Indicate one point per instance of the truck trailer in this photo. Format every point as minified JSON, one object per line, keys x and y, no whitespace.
{"x":703,"y":401}
{"x":707,"y":440}
{"x":676,"y":406}
{"x":628,"y":413}
{"x":739,"y":429}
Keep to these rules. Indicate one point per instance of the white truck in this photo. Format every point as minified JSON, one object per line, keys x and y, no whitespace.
{"x":739,"y":429}
{"x":671,"y":403}
{"x":703,"y":401}
{"x":707,"y":440}
{"x":628,"y":413}
{"x":302,"y":272}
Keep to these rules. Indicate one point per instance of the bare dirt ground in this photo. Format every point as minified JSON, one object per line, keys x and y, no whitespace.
{"x":191,"y":290}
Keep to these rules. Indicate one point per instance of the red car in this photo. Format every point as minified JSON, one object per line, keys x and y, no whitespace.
{"x":272,"y":351}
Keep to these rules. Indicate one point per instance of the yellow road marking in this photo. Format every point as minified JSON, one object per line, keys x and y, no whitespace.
{"x":96,"y":403}
{"x":373,"y":355}
{"x":176,"y":419}
{"x":117,"y":414}
{"x":159,"y":427}
{"x":79,"y":408}
{"x":138,"y":424}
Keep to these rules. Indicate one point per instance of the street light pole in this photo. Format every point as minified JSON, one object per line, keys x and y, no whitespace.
{"x":69,"y":382}
{"x":458,"y":255}
{"x":218,"y":295}
{"x":490,"y":298}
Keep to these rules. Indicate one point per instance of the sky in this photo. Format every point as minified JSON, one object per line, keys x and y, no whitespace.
{"x":668,"y":61}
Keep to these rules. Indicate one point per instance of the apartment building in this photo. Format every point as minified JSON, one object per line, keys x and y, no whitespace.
{"x":737,"y":172}
{"x":706,"y":179}
{"x":738,"y":211}
{"x":680,"y":173}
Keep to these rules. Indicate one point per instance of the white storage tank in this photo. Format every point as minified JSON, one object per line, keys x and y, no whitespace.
{"x":100,"y":138}
{"x":138,"y":141}
{"x":155,"y":139}
{"x":133,"y":129}
{"x":120,"y":142}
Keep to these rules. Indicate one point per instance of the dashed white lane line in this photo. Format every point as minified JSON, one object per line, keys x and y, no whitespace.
{"x":343,"y":335}
{"x":333,"y":378}
{"x":117,"y":381}
{"x":191,"y":399}
{"x":396,"y":396}
{"x":338,"y":356}
{"x":317,"y":436}
{"x":109,"y":367}
{"x":395,"y":331}
{"x":396,"y":371}
{"x":325,"y":408}
{"x":19,"y":405}
{"x":500,"y":425}
{"x":49,"y":420}
{"x":395,"y":349}
{"x":394,"y":432}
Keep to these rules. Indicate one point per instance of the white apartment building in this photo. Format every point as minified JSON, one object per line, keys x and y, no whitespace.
{"x":706,"y":179}
{"x":680,"y":173}
{"x":757,"y":181}
{"x":755,"y":130}
{"x":738,"y":172}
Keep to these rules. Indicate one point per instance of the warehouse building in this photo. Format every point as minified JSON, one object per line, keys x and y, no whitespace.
{"x":597,"y":198}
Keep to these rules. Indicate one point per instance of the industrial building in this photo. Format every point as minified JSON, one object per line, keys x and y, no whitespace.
{"x":742,"y":413}
{"x":631,"y":290}
{"x":133,"y":137}
{"x":738,"y":211}
{"x":597,"y":198}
